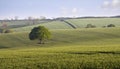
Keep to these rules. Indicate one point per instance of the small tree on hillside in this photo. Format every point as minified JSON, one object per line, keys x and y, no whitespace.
{"x":90,"y":26}
{"x":5,"y":31}
{"x":8,"y":31}
{"x":111,"y":25}
{"x":41,"y":33}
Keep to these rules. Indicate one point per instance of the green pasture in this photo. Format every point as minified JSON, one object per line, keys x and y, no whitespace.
{"x":49,"y":25}
{"x":78,"y":23}
{"x":97,"y":48}
{"x":98,"y":22}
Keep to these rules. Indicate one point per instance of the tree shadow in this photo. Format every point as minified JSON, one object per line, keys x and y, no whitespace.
{"x":93,"y":52}
{"x":4,"y":47}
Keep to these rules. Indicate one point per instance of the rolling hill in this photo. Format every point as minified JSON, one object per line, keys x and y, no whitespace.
{"x":49,"y":25}
{"x":98,"y":22}
{"x":99,"y":36}
{"x":74,"y":23}
{"x":67,"y":49}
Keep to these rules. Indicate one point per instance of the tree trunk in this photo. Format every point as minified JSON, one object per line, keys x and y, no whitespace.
{"x":40,"y":41}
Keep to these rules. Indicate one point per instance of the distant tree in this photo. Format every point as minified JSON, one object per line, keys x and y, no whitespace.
{"x":42,"y":17}
{"x":111,"y":25}
{"x":2,"y":30}
{"x":30,"y":18}
{"x":41,"y":33}
{"x":5,"y":31}
{"x":8,"y":31}
{"x":4,"y":25}
{"x":16,"y":17}
{"x":103,"y":26}
{"x":90,"y":26}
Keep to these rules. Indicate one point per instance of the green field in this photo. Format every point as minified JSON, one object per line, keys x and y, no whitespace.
{"x":97,"y":48}
{"x":49,"y":25}
{"x":20,"y":23}
{"x":78,"y":23}
{"x":98,"y":22}
{"x":59,"y":34}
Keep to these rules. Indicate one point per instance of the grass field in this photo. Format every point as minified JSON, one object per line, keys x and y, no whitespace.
{"x":20,"y":23}
{"x":97,"y":48}
{"x":98,"y":22}
{"x":49,"y":25}
{"x":78,"y":23}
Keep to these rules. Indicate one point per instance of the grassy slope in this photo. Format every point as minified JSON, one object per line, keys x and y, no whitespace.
{"x":79,"y":23}
{"x":68,"y":49}
{"x":99,"y":22}
{"x":78,"y":36}
{"x":49,"y":25}
{"x":20,"y":22}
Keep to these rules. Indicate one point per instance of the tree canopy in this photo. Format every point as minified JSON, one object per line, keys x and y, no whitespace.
{"x":41,"y":33}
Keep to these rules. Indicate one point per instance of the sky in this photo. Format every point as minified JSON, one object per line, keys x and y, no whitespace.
{"x":58,"y":8}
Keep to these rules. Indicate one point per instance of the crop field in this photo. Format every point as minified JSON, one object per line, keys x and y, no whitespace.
{"x":64,"y":57}
{"x":97,"y":48}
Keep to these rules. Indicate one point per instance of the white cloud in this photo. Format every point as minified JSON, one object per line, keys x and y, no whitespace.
{"x":64,"y":11}
{"x":70,"y":11}
{"x":114,"y":4}
{"x":106,"y":4}
{"x":75,"y":12}
{"x":111,"y":7}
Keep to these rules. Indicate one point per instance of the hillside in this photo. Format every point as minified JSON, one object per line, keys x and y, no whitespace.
{"x":71,"y":47}
{"x":99,"y":36}
{"x":21,"y":23}
{"x":74,"y":23}
{"x":98,"y":22}
{"x":67,"y":49}
{"x":49,"y":25}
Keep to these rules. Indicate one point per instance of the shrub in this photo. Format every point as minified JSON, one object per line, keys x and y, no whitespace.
{"x":5,"y":31}
{"x":111,"y":25}
{"x":104,"y":26}
{"x":8,"y":31}
{"x":90,"y":26}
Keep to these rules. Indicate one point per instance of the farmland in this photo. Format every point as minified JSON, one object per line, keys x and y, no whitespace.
{"x":98,"y":22}
{"x":78,"y":23}
{"x":93,"y":48}
{"x":49,"y":25}
{"x":59,"y":34}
